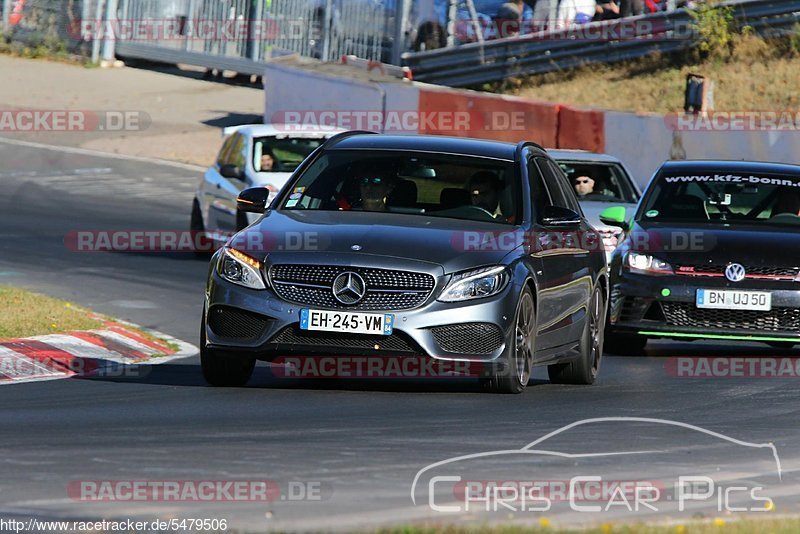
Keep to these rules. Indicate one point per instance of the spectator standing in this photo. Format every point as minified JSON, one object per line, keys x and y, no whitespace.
{"x":509,"y":18}
{"x":631,"y":7}
{"x":571,"y":12}
{"x":607,"y":10}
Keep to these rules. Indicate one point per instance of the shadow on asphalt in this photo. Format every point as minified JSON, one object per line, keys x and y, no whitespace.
{"x":190,"y":375}
{"x":227,"y":118}
{"x":208,"y":75}
{"x":265,"y":377}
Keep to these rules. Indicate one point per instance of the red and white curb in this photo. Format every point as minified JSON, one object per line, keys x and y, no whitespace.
{"x":112,"y":351}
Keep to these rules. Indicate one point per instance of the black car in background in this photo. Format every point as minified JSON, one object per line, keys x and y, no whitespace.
{"x":713,"y":252}
{"x":459,"y":250}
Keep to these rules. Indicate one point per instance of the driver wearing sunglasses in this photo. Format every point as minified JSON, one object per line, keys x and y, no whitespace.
{"x":374,"y":188}
{"x":584,"y":185}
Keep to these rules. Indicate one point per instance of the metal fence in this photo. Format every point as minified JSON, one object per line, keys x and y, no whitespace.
{"x":452,"y":42}
{"x":241,"y":35}
{"x":597,"y":42}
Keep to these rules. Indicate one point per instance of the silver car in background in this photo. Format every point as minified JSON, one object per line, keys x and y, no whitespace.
{"x":613,"y":186}
{"x":239,"y":166}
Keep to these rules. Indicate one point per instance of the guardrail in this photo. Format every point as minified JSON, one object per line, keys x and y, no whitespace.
{"x":597,"y":42}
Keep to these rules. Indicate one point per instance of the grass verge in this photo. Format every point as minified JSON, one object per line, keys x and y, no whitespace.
{"x":26,"y":314}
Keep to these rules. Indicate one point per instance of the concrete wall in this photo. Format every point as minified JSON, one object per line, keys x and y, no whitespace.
{"x":642,"y":141}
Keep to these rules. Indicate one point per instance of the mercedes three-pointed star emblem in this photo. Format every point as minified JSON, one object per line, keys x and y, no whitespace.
{"x":349,"y":288}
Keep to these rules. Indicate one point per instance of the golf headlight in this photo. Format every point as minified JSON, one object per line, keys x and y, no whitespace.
{"x":240,"y":269}
{"x":638,"y":263}
{"x":475,"y":284}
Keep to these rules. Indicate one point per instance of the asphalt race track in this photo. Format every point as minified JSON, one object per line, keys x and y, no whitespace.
{"x":352,"y":447}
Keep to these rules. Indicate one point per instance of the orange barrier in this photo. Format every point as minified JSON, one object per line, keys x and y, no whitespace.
{"x":487,"y":116}
{"x":581,"y":128}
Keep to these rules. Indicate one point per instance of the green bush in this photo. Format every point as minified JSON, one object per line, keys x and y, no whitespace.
{"x":794,"y":41}
{"x":715,"y":27}
{"x":35,"y":45}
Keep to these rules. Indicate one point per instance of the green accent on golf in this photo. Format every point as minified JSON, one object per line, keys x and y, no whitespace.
{"x":666,"y":292}
{"x":719,"y":336}
{"x":615,"y":216}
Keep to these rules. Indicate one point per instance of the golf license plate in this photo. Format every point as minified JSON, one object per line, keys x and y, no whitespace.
{"x":352,"y":323}
{"x":727,"y":299}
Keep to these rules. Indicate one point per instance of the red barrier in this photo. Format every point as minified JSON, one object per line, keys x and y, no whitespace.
{"x":581,"y":128}
{"x":488,"y":116}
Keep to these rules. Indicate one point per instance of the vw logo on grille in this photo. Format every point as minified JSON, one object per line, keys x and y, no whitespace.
{"x":735,"y":272}
{"x":349,"y":288}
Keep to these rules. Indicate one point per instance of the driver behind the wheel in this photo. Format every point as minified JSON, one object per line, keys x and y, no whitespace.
{"x":483,"y":190}
{"x":374,"y":186}
{"x":584,"y":186}
{"x":787,"y":207}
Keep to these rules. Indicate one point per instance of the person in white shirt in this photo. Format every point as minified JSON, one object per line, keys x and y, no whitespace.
{"x":572,"y":12}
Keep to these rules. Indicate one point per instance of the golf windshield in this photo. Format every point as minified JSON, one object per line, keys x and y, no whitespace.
{"x":723,"y":197}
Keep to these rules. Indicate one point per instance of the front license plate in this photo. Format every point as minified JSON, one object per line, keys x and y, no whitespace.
{"x":353,"y":323}
{"x":725,"y":299}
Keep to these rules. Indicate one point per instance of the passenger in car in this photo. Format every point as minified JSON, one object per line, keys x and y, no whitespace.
{"x":267,"y":162}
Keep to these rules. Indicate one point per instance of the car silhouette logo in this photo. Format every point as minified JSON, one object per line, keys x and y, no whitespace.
{"x":349,"y":288}
{"x":735,"y":272}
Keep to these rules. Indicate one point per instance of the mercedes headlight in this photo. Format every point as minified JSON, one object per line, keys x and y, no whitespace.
{"x":638,"y":263}
{"x":239,"y":268}
{"x":475,"y":284}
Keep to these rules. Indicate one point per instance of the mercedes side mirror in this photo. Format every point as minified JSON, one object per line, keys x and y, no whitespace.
{"x":253,"y":200}
{"x":558,"y":217}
